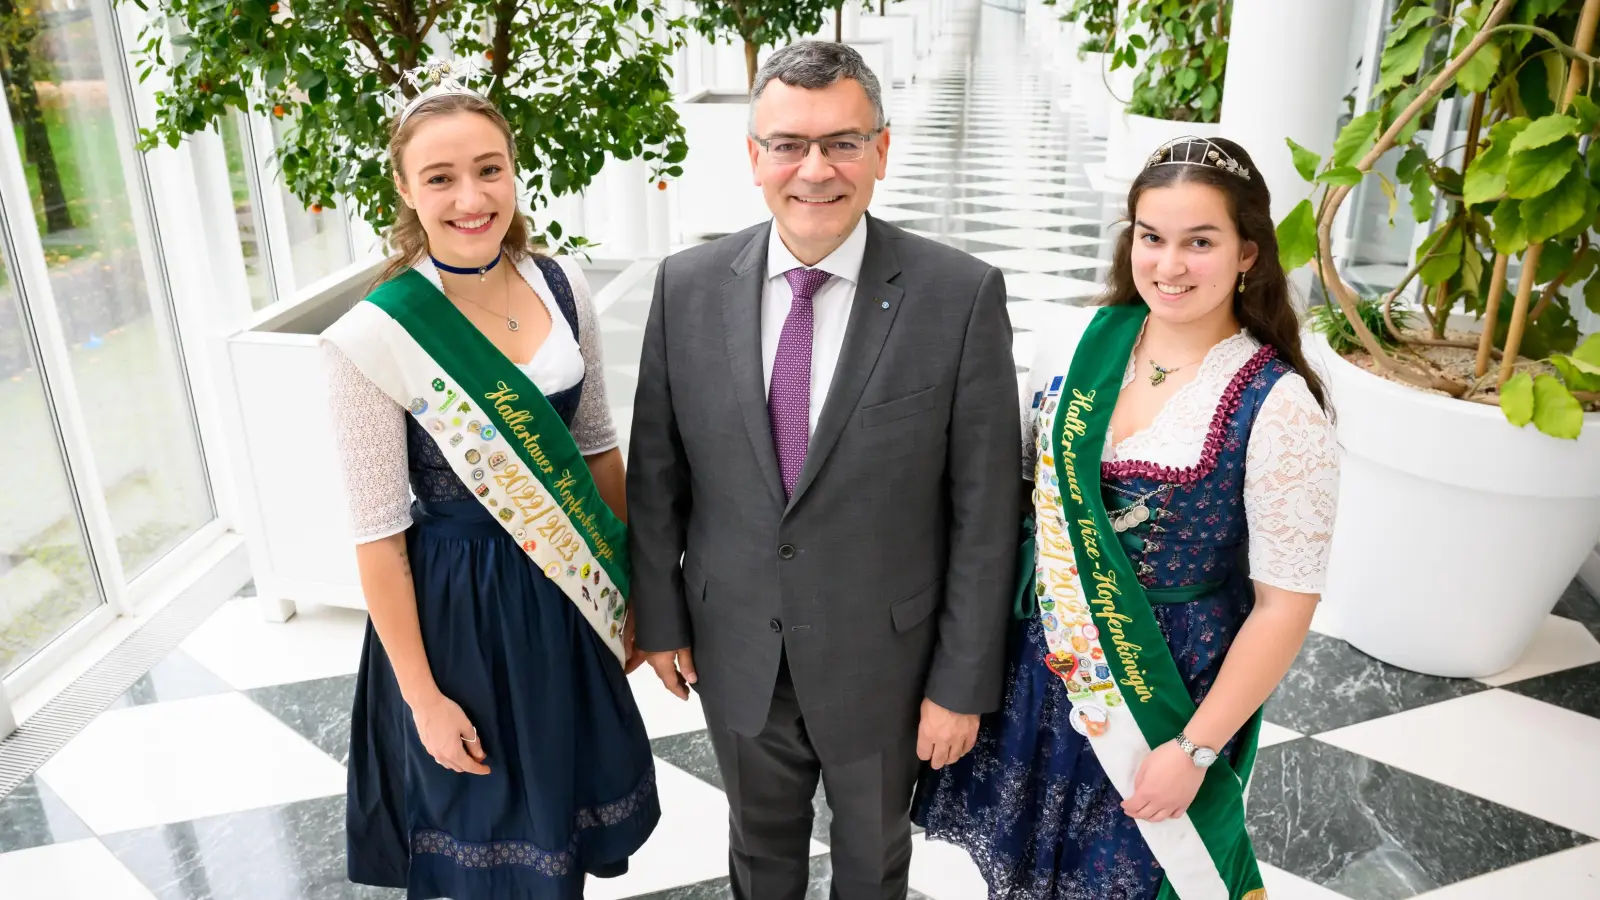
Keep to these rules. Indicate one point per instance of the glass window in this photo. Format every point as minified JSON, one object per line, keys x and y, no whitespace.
{"x":99,"y":243}
{"x":252,"y":237}
{"x":319,"y":242}
{"x":46,"y":581}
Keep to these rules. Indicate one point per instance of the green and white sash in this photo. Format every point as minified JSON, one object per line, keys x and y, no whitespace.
{"x":501,"y":437}
{"x":1127,"y":695}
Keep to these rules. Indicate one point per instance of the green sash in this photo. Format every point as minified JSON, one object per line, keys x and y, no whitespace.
{"x":1207,"y":853}
{"x":500,"y":436}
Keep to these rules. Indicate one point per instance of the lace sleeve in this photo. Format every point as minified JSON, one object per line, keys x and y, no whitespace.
{"x":592,"y":426}
{"x":369,"y":430}
{"x":1291,"y":489}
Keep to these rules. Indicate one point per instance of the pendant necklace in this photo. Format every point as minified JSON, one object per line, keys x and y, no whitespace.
{"x":511,"y":322}
{"x":1135,"y":514}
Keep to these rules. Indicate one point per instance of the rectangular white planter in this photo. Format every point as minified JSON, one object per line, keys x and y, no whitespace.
{"x":878,"y":53}
{"x":716,"y":194}
{"x":293,"y":509}
{"x":1089,"y":92}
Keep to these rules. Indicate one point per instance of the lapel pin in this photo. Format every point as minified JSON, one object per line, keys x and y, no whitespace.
{"x":885,"y":304}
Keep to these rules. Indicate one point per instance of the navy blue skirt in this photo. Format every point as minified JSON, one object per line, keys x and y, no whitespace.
{"x":572,"y":787}
{"x":1031,"y":803}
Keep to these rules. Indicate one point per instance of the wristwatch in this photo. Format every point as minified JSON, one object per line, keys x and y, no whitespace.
{"x":1203,"y":756}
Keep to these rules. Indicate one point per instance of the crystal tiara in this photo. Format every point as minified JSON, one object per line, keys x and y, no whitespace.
{"x":1196,"y":151}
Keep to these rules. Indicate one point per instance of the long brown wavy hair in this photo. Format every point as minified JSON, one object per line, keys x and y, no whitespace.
{"x":1263,"y":307}
{"x":408,"y":242}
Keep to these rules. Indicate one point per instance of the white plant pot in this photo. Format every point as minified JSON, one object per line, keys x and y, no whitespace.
{"x":1133,"y":138}
{"x":878,"y":54}
{"x":1456,"y":531}
{"x":1062,"y":54}
{"x":717,"y":194}
{"x":1089,"y":91}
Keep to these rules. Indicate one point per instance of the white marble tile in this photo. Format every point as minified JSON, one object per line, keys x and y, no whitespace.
{"x":944,"y":871}
{"x":1570,"y":875}
{"x":1038,"y":286}
{"x":1275,"y":734}
{"x":172,"y":762}
{"x":884,"y":197}
{"x":247,"y":651}
{"x":1016,"y":186}
{"x":1033,"y":238}
{"x":896,"y":214}
{"x":663,"y":712}
{"x":1038,"y":260}
{"x":1025,"y":218}
{"x":897,"y":182}
{"x":1036,"y":316}
{"x":689,"y":846}
{"x":1024,"y":346}
{"x":1283,"y":886}
{"x":1516,"y":751}
{"x":1039,"y":203}
{"x":909,"y":170}
{"x":76,"y":870}
{"x":1560,"y":643}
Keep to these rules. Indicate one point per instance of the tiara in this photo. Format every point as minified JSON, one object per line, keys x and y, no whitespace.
{"x":1196,"y":151}
{"x":434,"y":80}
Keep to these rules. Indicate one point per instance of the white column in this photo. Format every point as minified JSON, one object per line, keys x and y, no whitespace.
{"x":1286,"y":75}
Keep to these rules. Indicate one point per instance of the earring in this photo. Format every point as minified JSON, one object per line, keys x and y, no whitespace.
{"x":1241,"y":282}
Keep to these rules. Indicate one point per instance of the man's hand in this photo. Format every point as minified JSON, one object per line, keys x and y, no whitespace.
{"x":944,"y":736}
{"x":675,"y":668}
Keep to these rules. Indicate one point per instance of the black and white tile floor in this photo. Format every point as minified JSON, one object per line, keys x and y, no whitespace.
{"x":220,"y":775}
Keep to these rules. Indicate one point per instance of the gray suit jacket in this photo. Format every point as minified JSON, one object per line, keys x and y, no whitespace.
{"x":888,"y":576}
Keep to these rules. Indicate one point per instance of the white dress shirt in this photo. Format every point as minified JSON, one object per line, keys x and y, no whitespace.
{"x":830,"y":307}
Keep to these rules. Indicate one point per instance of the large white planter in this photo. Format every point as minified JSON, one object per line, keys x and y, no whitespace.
{"x":717,"y":193}
{"x":1133,"y":138}
{"x":1089,"y":91}
{"x":1456,"y":531}
{"x":293,"y":509}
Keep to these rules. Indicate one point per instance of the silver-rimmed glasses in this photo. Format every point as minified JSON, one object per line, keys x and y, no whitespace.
{"x":787,"y":150}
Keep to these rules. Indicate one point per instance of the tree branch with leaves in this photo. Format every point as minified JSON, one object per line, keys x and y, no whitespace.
{"x":580,"y":81}
{"x":757,"y":24}
{"x":1528,"y":185}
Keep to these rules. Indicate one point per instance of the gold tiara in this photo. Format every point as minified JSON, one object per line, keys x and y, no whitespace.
{"x":1196,"y":151}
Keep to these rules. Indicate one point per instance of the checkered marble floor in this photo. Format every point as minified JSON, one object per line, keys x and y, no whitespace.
{"x":220,"y":775}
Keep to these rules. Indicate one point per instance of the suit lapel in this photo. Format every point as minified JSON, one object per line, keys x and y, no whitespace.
{"x":741,"y":321}
{"x":863,"y":342}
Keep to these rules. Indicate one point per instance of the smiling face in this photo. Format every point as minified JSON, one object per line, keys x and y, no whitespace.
{"x":1187,"y":253}
{"x":818,"y":200}
{"x":456,"y":173}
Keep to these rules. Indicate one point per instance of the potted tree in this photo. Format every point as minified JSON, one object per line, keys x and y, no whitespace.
{"x":717,"y":171}
{"x":1488,"y":442}
{"x":1178,"y":90}
{"x":581,"y":83}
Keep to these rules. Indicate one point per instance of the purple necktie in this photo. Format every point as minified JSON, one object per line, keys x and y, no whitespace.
{"x":789,"y":393}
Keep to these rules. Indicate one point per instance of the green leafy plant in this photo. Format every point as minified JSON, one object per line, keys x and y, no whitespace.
{"x":757,"y":23}
{"x":1096,"y":21}
{"x":1185,"y":45}
{"x":1330,"y":321}
{"x":579,"y":81}
{"x":21,"y":68}
{"x":1528,"y":188}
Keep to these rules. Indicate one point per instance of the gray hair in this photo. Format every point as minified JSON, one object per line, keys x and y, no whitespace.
{"x":814,"y":65}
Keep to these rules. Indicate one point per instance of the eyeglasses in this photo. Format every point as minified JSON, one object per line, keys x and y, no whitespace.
{"x":836,"y":147}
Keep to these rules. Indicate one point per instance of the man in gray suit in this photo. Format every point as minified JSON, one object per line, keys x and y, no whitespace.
{"x":822,"y":491}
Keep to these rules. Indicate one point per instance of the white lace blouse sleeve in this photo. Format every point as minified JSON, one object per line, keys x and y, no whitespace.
{"x":369,"y":430}
{"x":1291,"y":489}
{"x":592,"y":426}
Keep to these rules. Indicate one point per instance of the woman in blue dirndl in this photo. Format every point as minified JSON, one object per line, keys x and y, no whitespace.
{"x":1220,"y":477}
{"x":496,"y":751}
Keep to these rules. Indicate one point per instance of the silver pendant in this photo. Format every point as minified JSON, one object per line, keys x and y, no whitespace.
{"x":512,"y":324}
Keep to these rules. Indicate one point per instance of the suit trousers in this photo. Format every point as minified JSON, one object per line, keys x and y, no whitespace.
{"x":770,"y":781}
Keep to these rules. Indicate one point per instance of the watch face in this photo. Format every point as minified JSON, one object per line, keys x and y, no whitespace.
{"x":1204,"y":757}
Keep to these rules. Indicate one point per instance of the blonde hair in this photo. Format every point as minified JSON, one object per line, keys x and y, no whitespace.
{"x":406,"y":239}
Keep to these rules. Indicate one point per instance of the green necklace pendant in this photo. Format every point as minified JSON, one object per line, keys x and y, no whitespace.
{"x":1160,"y":374}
